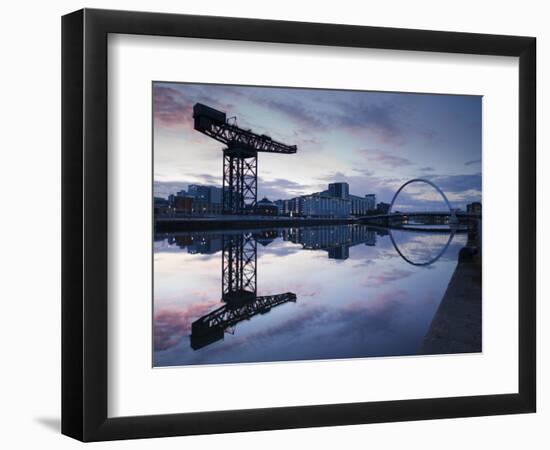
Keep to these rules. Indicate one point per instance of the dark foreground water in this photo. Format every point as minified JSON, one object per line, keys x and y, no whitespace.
{"x":289,"y":294}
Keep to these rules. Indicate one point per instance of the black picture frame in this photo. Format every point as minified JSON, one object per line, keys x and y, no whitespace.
{"x":84,"y":224}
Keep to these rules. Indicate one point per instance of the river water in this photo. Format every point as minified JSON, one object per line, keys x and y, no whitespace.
{"x":286,"y":294}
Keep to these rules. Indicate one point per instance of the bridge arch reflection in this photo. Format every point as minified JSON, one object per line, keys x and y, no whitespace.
{"x":423,"y":263}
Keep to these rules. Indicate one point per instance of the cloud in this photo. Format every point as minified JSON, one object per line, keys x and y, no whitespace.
{"x":171,"y":108}
{"x":172,"y":324}
{"x":427,"y":169}
{"x":380,"y":119}
{"x":281,"y":188}
{"x":458,"y":183}
{"x":387,"y":159}
{"x":381,"y":304}
{"x":381,"y":279}
{"x":365,"y":317}
{"x":422,"y":248}
{"x":459,"y":189}
{"x":472,"y":162}
{"x":209,"y":179}
{"x":173,"y":102}
{"x":332,"y":110}
{"x":296,"y":111}
{"x":165,"y":188}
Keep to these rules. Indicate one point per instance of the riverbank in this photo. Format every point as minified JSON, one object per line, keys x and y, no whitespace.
{"x":456,"y":326}
{"x":168,"y":224}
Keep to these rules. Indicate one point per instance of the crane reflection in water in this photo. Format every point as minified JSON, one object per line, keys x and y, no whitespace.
{"x":262,"y":290}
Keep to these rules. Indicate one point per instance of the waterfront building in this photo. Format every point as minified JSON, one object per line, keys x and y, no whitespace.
{"x":198,"y":244}
{"x":216,"y":194}
{"x":181,"y":241}
{"x":161,"y":206}
{"x":339,"y":190}
{"x":336,"y":201}
{"x":291,"y":207}
{"x":340,"y":252}
{"x":321,"y":205}
{"x":200,"y":207}
{"x":199,"y":193}
{"x":205,"y":245}
{"x":474,"y":208}
{"x":209,"y":194}
{"x":360,"y":206}
{"x":183,"y":205}
{"x":371,"y":201}
{"x":171,"y":200}
{"x":198,"y":200}
{"x":383,"y":207}
{"x":336,"y":240}
{"x":266,"y":208}
{"x":280,"y":204}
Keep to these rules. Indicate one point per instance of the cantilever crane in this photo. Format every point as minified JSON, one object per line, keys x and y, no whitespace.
{"x":240,"y":157}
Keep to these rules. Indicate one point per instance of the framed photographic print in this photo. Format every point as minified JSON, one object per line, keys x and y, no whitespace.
{"x":273,"y":224}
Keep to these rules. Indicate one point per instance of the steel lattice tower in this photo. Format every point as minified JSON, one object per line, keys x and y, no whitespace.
{"x":240,"y":180}
{"x":239,"y":268}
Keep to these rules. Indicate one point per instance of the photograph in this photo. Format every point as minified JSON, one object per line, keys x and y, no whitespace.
{"x":301,"y":224}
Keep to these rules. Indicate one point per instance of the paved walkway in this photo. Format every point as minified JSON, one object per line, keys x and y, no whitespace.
{"x":456,"y":326}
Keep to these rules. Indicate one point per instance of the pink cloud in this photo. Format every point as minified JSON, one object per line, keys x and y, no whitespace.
{"x":380,"y":303}
{"x":171,"y":108}
{"x":381,"y":279}
{"x":172,"y":323}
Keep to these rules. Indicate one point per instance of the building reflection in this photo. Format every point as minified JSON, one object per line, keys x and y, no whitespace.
{"x":336,"y":240}
{"x":239,"y":254}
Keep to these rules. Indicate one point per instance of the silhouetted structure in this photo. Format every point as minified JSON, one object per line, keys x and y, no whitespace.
{"x":339,"y":190}
{"x":239,"y":257}
{"x":266,"y":208}
{"x":335,"y":239}
{"x":211,"y":327}
{"x":240,"y":157}
{"x":383,"y":207}
{"x":474,"y":208}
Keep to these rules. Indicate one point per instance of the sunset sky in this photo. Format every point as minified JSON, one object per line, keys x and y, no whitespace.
{"x":375,"y":141}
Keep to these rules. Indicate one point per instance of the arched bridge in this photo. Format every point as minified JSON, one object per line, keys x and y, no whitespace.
{"x":450,"y":217}
{"x":420,"y":180}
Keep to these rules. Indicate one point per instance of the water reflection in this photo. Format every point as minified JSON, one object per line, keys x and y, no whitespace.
{"x":239,"y":257}
{"x":297,"y":293}
{"x":427,"y":256}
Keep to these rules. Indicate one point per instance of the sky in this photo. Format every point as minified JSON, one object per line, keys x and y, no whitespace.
{"x":375,"y":141}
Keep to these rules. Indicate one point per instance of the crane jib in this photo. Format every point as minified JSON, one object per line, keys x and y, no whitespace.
{"x":214,"y":124}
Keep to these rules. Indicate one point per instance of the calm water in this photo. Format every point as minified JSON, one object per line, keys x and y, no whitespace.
{"x":296,"y":294}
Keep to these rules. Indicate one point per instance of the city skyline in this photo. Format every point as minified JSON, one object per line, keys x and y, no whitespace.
{"x":189,"y":189}
{"x":371,"y":140}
